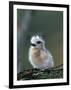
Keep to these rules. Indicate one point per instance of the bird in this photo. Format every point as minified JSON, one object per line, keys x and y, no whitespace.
{"x":39,"y":56}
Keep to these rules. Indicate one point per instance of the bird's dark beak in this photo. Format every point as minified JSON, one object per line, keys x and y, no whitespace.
{"x":32,"y":44}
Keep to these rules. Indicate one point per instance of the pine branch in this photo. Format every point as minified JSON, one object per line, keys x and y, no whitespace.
{"x":56,"y":72}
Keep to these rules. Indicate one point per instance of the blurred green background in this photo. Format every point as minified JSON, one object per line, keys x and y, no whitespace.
{"x":48,"y":24}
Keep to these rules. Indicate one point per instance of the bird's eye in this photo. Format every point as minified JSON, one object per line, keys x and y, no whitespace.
{"x":38,"y":42}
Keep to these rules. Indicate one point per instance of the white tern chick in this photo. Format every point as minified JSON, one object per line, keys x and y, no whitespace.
{"x":39,"y":56}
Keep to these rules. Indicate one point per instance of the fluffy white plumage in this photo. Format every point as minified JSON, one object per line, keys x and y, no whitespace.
{"x":39,"y":56}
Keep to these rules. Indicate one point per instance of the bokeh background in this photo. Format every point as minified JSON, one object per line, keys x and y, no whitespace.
{"x":48,"y":24}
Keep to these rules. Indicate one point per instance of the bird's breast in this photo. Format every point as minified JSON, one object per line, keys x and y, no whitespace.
{"x":38,"y":56}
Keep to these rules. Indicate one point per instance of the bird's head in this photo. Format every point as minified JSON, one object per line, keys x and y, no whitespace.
{"x":37,"y":42}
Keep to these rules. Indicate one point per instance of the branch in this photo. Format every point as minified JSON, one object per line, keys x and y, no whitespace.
{"x":56,"y":72}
